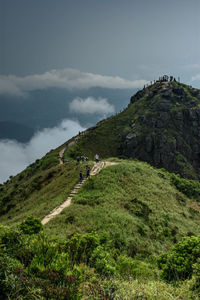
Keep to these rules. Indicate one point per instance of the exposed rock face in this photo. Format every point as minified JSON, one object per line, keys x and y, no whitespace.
{"x":168,"y":133}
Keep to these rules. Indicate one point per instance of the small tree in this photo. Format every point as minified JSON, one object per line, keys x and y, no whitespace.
{"x":31,"y":225}
{"x":178,"y":263}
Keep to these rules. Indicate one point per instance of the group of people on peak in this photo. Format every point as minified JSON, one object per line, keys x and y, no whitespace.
{"x":82,"y":158}
{"x":85,"y":158}
{"x":96,"y":157}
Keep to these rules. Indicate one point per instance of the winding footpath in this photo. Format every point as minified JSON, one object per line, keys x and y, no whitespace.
{"x":95,"y":170}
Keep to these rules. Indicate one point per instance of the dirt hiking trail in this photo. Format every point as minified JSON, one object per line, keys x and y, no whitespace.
{"x":95,"y":170}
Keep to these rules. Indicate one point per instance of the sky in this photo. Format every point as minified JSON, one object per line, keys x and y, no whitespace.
{"x":132,"y":39}
{"x":81,"y":44}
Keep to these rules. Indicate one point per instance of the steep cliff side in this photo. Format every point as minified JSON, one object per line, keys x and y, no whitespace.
{"x":167,"y":133}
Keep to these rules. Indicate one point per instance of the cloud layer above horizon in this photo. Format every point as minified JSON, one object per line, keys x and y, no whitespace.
{"x":90,"y":105}
{"x":17,"y":156}
{"x":13,"y":85}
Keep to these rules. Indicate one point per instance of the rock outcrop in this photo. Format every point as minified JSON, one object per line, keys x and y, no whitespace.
{"x":167,"y":134}
{"x":161,"y":126}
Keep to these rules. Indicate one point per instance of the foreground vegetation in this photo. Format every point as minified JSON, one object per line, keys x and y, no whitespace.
{"x":34,"y":266}
{"x":132,"y":232}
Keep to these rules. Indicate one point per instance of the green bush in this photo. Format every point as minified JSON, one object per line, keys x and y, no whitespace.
{"x":49,"y":161}
{"x":44,"y":251}
{"x":191,"y":188}
{"x":196,"y":272}
{"x":35,"y":267}
{"x":14,"y":282}
{"x":80,"y":247}
{"x":103,"y":261}
{"x":31,"y":225}
{"x":127,"y":266}
{"x":177,"y":264}
{"x":11,"y":241}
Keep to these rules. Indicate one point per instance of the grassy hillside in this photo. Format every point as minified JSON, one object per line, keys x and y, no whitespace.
{"x":105,"y":245}
{"x":136,"y":207}
{"x":160,"y":127}
{"x":37,"y":190}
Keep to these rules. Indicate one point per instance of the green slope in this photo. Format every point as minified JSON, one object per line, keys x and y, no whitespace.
{"x":40,"y":188}
{"x":106,"y":243}
{"x":160,"y":126}
{"x":136,"y":206}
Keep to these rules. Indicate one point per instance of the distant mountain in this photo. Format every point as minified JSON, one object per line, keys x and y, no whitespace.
{"x":15,"y":131}
{"x":161,"y":126}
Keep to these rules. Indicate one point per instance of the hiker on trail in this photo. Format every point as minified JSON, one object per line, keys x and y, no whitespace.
{"x":96,"y":158}
{"x":87,"y":171}
{"x":81,"y":176}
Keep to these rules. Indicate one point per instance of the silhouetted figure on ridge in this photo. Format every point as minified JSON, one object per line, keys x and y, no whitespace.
{"x":87,"y":171}
{"x":81,"y":176}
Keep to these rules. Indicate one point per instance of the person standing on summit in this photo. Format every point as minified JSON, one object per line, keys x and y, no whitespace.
{"x":96,"y":158}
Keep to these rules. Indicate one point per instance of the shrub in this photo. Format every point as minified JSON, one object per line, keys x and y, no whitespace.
{"x":80,"y":247}
{"x":54,"y":285}
{"x":11,"y":241}
{"x":14,"y":283}
{"x":44,"y":250}
{"x":103,"y":261}
{"x":191,"y":188}
{"x":127,"y":266}
{"x":196,"y":268}
{"x":31,"y":225}
{"x":48,"y":162}
{"x":177,"y":264}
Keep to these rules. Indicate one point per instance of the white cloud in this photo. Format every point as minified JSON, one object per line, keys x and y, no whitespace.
{"x":91,"y":105}
{"x":196,"y":77}
{"x":16,"y":156}
{"x":66,"y":78}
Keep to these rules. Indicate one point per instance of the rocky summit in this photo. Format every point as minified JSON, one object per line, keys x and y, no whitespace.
{"x":161,"y":126}
{"x":167,"y":134}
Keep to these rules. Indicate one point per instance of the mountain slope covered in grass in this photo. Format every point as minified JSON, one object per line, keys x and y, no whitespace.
{"x":107,"y":243}
{"x":160,"y":126}
{"x":136,"y":206}
{"x":132,"y":230}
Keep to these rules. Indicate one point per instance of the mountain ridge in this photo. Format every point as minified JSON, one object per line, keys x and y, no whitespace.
{"x":161,"y":126}
{"x":129,"y":231}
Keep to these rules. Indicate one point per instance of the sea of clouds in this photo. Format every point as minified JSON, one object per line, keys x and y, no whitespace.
{"x":17,"y":156}
{"x":91,"y":105}
{"x":67,"y":79}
